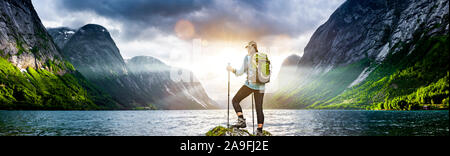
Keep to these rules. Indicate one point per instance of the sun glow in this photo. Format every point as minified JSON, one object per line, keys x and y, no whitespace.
{"x":208,"y":61}
{"x":207,"y":58}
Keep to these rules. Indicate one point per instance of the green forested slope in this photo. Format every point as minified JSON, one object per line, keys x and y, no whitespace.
{"x":41,"y":89}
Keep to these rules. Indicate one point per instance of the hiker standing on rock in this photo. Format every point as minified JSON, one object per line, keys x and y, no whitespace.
{"x":257,"y":67}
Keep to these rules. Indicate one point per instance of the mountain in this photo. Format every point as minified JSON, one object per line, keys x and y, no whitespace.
{"x":288,"y":70}
{"x":61,"y":35}
{"x":177,"y":91}
{"x":374,"y":55}
{"x":34,"y":75}
{"x":94,"y":53}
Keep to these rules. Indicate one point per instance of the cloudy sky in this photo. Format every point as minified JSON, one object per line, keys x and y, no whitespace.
{"x":215,"y":29}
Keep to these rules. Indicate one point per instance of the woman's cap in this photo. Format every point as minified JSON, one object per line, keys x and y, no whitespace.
{"x":251,"y":43}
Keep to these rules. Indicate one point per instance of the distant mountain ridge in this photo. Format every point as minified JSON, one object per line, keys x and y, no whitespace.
{"x":151,"y":73}
{"x":142,"y":82}
{"x":62,"y":35}
{"x":288,"y":70}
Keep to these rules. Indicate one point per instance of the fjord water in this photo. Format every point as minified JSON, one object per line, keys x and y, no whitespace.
{"x":198,"y":122}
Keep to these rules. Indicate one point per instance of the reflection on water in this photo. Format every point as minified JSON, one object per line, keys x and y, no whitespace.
{"x":198,"y":122}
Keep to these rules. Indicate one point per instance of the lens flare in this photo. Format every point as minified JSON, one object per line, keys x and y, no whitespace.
{"x":184,"y":29}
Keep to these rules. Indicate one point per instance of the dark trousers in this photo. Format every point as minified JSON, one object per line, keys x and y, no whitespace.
{"x":242,"y":94}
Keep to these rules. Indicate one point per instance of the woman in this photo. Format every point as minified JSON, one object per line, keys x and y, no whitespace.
{"x":246,"y":90}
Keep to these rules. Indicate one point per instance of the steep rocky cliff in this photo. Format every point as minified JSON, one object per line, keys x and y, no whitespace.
{"x":144,"y":82}
{"x":24,"y":40}
{"x":374,"y":55}
{"x":370,"y":29}
{"x":34,"y":74}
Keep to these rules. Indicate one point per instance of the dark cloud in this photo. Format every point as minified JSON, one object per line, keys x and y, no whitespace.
{"x":136,"y":9}
{"x":212,"y":19}
{"x":138,"y":15}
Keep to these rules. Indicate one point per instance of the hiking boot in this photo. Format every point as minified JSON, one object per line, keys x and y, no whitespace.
{"x":240,"y":123}
{"x":259,"y":133}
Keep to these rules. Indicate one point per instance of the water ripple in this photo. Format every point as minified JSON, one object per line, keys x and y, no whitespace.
{"x":197,"y":122}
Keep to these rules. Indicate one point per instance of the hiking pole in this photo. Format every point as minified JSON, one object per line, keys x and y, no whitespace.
{"x":253,"y":114}
{"x":228,"y":113}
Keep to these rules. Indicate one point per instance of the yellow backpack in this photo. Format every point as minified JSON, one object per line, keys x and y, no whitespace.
{"x":260,"y":66}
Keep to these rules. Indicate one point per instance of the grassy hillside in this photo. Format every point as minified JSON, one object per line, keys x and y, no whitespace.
{"x":402,"y":82}
{"x":41,"y":89}
{"x":416,"y":75}
{"x":320,"y":88}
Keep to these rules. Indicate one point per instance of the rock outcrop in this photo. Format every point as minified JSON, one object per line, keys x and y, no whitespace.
{"x":222,"y":131}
